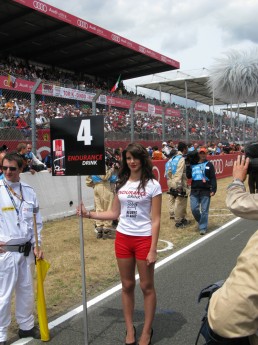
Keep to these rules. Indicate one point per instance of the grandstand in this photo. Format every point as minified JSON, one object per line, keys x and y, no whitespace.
{"x":76,"y":60}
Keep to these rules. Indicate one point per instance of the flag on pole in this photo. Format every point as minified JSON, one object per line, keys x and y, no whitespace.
{"x":42,"y":268}
{"x":11,"y":80}
{"x":116,"y":84}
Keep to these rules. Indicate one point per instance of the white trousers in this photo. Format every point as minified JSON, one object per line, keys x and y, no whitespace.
{"x":16,"y":275}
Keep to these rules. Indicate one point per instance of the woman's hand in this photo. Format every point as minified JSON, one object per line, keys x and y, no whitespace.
{"x":151,"y":257}
{"x":81,"y":210}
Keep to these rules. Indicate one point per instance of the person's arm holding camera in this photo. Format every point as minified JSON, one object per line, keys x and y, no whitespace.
{"x":232,"y":312}
{"x":238,"y":200}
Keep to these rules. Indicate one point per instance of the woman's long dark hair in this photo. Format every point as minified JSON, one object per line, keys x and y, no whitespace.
{"x":139,"y":152}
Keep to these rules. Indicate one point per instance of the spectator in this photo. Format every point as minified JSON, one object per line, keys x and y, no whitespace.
{"x":34,"y":162}
{"x":4,"y":148}
{"x":157,"y":154}
{"x":22,"y":150}
{"x":48,"y":162}
{"x":203,"y":187}
{"x":165,"y":149}
{"x":23,"y":126}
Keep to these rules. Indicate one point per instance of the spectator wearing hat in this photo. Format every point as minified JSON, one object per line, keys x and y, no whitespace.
{"x":219,"y":149}
{"x":203,"y":187}
{"x":3,"y":148}
{"x":165,"y":149}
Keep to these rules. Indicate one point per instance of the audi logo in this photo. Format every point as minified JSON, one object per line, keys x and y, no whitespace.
{"x":115,"y":38}
{"x":82,"y":24}
{"x":142,"y":49}
{"x":157,"y":172}
{"x":39,"y":6}
{"x":6,"y":83}
{"x":218,"y":165}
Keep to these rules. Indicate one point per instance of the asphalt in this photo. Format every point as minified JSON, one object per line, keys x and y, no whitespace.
{"x":178,"y":283}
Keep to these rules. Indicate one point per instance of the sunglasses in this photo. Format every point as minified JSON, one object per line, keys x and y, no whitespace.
{"x":10,"y":168}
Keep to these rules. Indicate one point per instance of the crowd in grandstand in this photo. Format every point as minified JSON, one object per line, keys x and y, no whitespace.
{"x":16,"y":113}
{"x":19,"y":68}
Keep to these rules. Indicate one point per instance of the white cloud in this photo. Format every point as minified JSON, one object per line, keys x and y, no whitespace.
{"x":194,"y":32}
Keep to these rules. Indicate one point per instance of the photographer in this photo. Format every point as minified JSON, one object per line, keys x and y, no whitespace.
{"x":203,"y":187}
{"x":176,"y":176}
{"x":103,"y":194}
{"x":233,"y":308}
{"x":251,"y":151}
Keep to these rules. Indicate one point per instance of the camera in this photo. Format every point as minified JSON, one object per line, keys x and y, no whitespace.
{"x":177,"y":192}
{"x":251,"y":151}
{"x":111,"y":161}
{"x":192,"y":157}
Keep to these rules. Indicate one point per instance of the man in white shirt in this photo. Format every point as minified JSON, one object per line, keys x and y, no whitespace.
{"x":18,"y":207}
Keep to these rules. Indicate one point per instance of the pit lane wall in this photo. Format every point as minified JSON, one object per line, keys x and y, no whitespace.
{"x":58,"y":195}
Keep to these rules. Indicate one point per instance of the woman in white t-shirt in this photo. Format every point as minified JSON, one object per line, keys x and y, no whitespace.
{"x":137,"y":204}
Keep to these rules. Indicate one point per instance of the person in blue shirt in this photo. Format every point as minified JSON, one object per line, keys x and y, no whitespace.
{"x":203,"y":187}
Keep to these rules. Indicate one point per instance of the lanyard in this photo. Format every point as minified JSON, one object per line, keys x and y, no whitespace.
{"x":10,"y":191}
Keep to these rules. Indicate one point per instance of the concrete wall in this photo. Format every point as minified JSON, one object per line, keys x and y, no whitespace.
{"x":58,"y":195}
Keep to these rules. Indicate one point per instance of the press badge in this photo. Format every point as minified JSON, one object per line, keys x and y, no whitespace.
{"x":10,"y":208}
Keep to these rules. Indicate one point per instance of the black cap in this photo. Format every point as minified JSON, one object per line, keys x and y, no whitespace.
{"x":3,"y":148}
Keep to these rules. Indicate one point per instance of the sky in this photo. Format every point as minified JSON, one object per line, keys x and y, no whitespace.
{"x":193,"y":32}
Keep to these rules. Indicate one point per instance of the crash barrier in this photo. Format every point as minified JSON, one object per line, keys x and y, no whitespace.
{"x":58,"y":195}
{"x":223,"y":165}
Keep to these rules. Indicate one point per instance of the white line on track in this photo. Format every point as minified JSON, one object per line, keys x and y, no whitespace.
{"x":118,"y":287}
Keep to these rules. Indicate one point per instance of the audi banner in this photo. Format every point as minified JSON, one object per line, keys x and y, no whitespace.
{"x":77,"y":146}
{"x":223,"y":165}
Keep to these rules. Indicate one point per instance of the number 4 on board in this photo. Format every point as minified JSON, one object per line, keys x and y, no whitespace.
{"x":84,"y":133}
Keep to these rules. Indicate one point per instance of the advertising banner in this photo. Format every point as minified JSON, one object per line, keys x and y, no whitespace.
{"x":223,"y":165}
{"x":77,"y":146}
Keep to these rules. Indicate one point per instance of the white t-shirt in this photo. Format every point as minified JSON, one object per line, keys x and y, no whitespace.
{"x":135,"y":218}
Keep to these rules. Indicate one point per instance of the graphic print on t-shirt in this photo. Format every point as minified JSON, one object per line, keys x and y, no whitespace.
{"x":131,"y":209}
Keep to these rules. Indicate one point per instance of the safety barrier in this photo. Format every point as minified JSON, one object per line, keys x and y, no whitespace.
{"x":58,"y":195}
{"x":223,"y":165}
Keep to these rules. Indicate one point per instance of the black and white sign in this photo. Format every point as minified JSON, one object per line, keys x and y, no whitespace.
{"x":77,"y":146}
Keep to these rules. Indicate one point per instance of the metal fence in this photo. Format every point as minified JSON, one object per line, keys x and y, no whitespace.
{"x":25,"y":117}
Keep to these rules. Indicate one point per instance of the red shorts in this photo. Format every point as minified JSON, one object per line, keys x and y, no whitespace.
{"x":132,"y":246}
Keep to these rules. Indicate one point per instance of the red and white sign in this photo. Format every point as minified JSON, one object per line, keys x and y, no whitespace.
{"x":19,"y":85}
{"x":223,"y":165}
{"x":67,"y":93}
